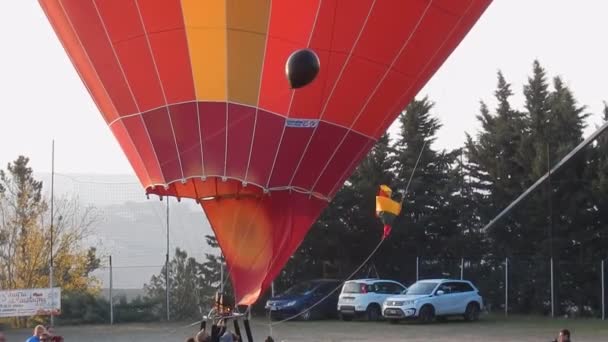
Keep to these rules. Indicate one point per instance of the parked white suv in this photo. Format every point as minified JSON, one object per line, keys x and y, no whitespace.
{"x":427,"y":299}
{"x":364,"y":297}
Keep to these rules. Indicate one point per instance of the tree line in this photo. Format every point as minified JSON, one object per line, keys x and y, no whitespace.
{"x":454,"y":193}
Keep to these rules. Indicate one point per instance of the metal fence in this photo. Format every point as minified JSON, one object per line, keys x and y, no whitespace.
{"x":529,"y":285}
{"x":141,"y":234}
{"x":509,"y":286}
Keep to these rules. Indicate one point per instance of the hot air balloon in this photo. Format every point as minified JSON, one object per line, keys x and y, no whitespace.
{"x":196,"y":94}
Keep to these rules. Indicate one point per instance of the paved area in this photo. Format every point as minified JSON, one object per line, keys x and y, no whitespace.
{"x":490,"y":328}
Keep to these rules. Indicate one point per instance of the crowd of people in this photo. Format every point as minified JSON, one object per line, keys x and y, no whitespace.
{"x":43,"y":334}
{"x":217,"y":333}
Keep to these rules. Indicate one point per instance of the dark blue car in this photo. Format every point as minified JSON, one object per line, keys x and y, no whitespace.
{"x":303,"y":295}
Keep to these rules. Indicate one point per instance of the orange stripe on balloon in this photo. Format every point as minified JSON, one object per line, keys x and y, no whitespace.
{"x":247,"y":26}
{"x":244,"y":233}
{"x":205,"y":22}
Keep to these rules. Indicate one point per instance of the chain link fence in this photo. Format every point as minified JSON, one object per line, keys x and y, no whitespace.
{"x":508,"y":286}
{"x":529,"y":285}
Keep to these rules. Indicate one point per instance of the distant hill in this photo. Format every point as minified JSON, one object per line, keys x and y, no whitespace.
{"x":132,"y":228}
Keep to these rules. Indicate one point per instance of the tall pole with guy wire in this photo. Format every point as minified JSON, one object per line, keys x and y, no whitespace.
{"x":52,"y":222}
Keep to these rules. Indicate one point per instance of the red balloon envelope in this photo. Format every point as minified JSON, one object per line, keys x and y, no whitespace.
{"x":196,"y":94}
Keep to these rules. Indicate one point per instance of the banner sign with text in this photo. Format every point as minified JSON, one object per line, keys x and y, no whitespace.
{"x":30,"y":302}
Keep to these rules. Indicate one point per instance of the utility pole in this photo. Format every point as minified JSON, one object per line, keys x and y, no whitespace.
{"x":603,"y":292}
{"x":51,"y":230}
{"x":506,"y":286}
{"x":221,"y":273}
{"x":550,"y":207}
{"x":111,"y":296}
{"x":461,"y":268}
{"x":550,"y":201}
{"x":167,"y":263}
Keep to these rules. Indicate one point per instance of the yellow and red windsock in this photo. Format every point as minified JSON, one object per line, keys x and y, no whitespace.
{"x":385,"y":191}
{"x":387,"y":208}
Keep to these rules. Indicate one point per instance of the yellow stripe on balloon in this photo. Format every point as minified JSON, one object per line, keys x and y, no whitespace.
{"x":205,"y":22}
{"x":247,"y":28}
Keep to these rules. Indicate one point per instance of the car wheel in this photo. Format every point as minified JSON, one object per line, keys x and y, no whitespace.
{"x":427,"y":314}
{"x":472,"y":312}
{"x":373,"y":313}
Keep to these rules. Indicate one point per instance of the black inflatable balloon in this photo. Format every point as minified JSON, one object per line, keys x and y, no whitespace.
{"x":302,"y":67}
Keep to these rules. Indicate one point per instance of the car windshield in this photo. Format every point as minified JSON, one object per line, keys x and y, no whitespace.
{"x":421,"y":288}
{"x":301,"y":288}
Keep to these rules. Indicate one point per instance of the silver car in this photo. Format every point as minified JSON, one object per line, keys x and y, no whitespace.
{"x":428,"y":299}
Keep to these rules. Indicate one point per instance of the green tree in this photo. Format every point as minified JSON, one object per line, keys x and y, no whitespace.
{"x":347,"y":230}
{"x":427,"y":226}
{"x":211,"y":273}
{"x":364,"y":229}
{"x":512,"y":150}
{"x":599,"y":238}
{"x":25,"y":236}
{"x":188,"y":293}
{"x":193,"y":285}
{"x":496,"y":166}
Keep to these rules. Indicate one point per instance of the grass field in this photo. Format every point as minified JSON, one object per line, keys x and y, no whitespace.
{"x":489,"y":328}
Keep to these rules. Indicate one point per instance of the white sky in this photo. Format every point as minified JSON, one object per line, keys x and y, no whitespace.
{"x":42,"y":97}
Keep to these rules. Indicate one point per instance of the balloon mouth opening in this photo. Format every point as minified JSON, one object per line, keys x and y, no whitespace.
{"x":229,"y":196}
{"x":207,"y":189}
{"x":213,"y":188}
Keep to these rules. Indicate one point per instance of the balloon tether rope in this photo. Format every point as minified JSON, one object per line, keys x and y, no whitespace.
{"x":334,"y":290}
{"x":371,"y":254}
